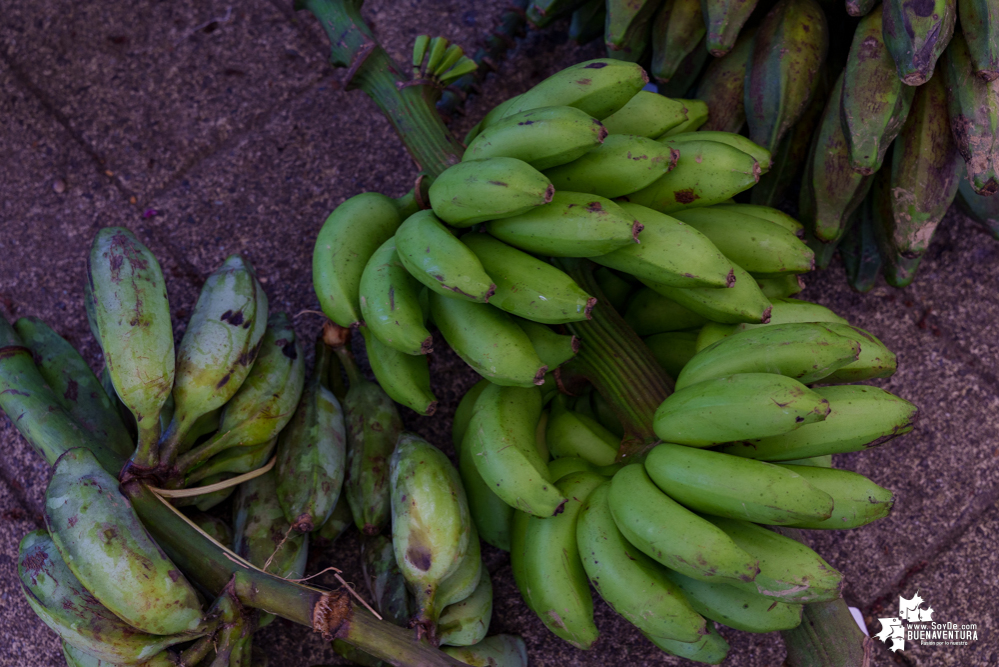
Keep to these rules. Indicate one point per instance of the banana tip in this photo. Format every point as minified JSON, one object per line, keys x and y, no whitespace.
{"x":766,"y":315}
{"x":431,"y":409}
{"x":303,"y":524}
{"x":549,"y":193}
{"x":539,"y":377}
{"x":636,"y":229}
{"x":730,"y":278}
{"x":575,"y":345}
{"x":427,"y":346}
{"x":602,"y":134}
{"x":335,"y":335}
{"x":590,"y":304}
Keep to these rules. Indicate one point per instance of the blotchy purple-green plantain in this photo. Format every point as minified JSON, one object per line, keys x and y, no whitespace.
{"x":916,"y":33}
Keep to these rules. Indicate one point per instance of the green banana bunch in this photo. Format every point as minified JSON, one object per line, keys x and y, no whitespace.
{"x":974,"y":116}
{"x":860,"y":417}
{"x":495,"y":651}
{"x":466,"y":623}
{"x":670,"y":253}
{"x":622,"y":164}
{"x":553,"y":572}
{"x":404,"y":377}
{"x":390,"y":302}
{"x":574,"y":224}
{"x":711,"y":649}
{"x":858,"y":500}
{"x":218,"y":348}
{"x":789,"y":571}
{"x":71,"y":611}
{"x":874,"y":103}
{"x":347,"y":240}
{"x":312,"y":452}
{"x":737,"y":608}
{"x":677,"y":30}
{"x":488,"y":189}
{"x":430,"y":521}
{"x":983,"y":210}
{"x":755,"y":244}
{"x":554,"y":349}
{"x":262,"y":535}
{"x":673,"y":349}
{"x":501,"y":440}
{"x":626,"y":31}
{"x":133,"y":318}
{"x":74,"y":386}
{"x":859,"y":250}
{"x":981,"y":30}
{"x":633,"y":584}
{"x":384,"y":579}
{"x":265,"y":401}
{"x":783,"y":75}
{"x":652,"y":115}
{"x":736,"y":487}
{"x":831,"y":190}
{"x":916,"y":36}
{"x":649,"y":312}
{"x":742,"y":302}
{"x":119,"y":563}
{"x":722,"y":87}
{"x":706,"y":173}
{"x":528,"y":287}
{"x":543,"y":138}
{"x":573,"y":434}
{"x":373,"y":428}
{"x":671,"y":534}
{"x":731,"y":408}
{"x":807,"y":352}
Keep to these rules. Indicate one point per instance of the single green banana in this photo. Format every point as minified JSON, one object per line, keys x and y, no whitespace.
{"x":724,"y":21}
{"x":875,"y":360}
{"x":858,"y":500}
{"x":373,"y":428}
{"x":543,"y":138}
{"x":670,"y":252}
{"x":574,"y":224}
{"x":559,"y":468}
{"x":71,"y":611}
{"x":860,"y":417}
{"x":233,"y":460}
{"x":736,"y":487}
{"x":265,"y":401}
{"x":489,"y":341}
{"x":789,"y":52}
{"x":722,"y":87}
{"x":980,"y":28}
{"x":737,"y":608}
{"x":737,"y":407}
{"x":677,"y":29}
{"x":779,"y":286}
{"x":430,"y":521}
{"x":633,"y":584}
{"x":711,"y":649}
{"x":647,"y":114}
{"x":831,"y":189}
{"x":349,"y":237}
{"x":785,"y":311}
{"x":617,"y":291}
{"x":340,"y":520}
{"x":495,"y":651}
{"x":974,"y":116}
{"x":587,"y":22}
{"x":807,"y":352}
{"x":384,"y":579}
{"x":706,"y":173}
{"x":74,"y":386}
{"x":404,"y":377}
{"x":757,"y":152}
{"x":683,"y":83}
{"x":697,"y":110}
{"x":554,"y":574}
{"x":874,"y":103}
{"x":542,"y":12}
{"x":673,"y":349}
{"x":623,"y":164}
{"x":915,"y":36}
{"x":436,"y":258}
{"x":742,"y":302}
{"x":598,"y":87}
{"x":110,"y":551}
{"x":462,"y":582}
{"x":789,"y":571}
{"x":502,"y":442}
{"x":262,"y":535}
{"x":981,"y":209}
{"x":312,"y":452}
{"x":626,"y":31}
{"x":554,"y":349}
{"x":133,"y":318}
{"x":218,"y":348}
{"x":214,"y":527}
{"x":488,"y":189}
{"x":755,"y":244}
{"x":649,"y":312}
{"x":466,"y":623}
{"x":669,"y":533}
{"x":571,"y":433}
{"x":527,"y":286}
{"x":390,"y":302}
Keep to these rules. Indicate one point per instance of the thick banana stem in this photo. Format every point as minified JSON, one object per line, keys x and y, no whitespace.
{"x":371,"y":69}
{"x":617,"y":362}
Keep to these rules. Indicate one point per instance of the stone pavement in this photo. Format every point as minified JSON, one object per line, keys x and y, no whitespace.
{"x":211,"y":128}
